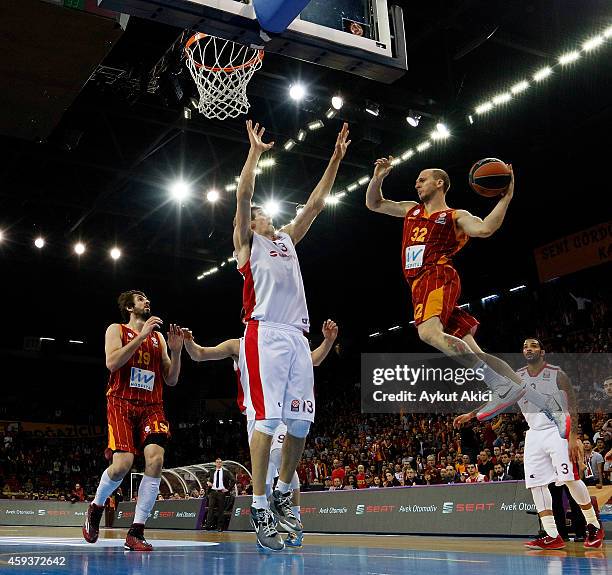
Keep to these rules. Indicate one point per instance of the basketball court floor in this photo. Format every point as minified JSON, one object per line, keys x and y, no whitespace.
{"x":25,"y":549}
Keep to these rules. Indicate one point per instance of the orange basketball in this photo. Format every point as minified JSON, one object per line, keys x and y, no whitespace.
{"x":490,"y":177}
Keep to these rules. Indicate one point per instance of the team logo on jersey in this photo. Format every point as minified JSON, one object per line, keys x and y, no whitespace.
{"x":417,"y":212}
{"x":295,"y":405}
{"x":441,"y":219}
{"x":130,"y":335}
{"x":274,"y":254}
{"x":154,"y":340}
{"x":546,"y":374}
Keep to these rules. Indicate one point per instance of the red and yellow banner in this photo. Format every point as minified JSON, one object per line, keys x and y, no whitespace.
{"x":575,"y":252}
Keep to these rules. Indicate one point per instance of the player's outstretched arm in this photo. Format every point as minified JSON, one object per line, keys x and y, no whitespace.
{"x":227,"y":348}
{"x":316,"y":202}
{"x":374,"y":198}
{"x":330,"y":333}
{"x":117,"y":354}
{"x":475,"y":227}
{"x":246,"y":188}
{"x":172,"y":364}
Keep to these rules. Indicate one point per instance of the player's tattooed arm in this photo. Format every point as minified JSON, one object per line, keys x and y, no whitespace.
{"x":456,"y":345}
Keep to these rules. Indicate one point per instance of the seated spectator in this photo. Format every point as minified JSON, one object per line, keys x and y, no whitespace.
{"x":499,"y":474}
{"x":336,"y":484}
{"x":411,"y":478}
{"x":390,"y":480}
{"x":351,"y":483}
{"x":376,"y":482}
{"x":474,"y":476}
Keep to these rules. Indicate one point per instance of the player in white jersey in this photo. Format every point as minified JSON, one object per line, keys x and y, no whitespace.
{"x":548,"y":457}
{"x":275,"y":354}
{"x":231,"y":348}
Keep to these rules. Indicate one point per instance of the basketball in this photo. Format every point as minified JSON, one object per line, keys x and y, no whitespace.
{"x":490,"y":177}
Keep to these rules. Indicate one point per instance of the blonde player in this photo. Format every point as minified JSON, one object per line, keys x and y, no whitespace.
{"x":548,"y":457}
{"x":231,"y":348}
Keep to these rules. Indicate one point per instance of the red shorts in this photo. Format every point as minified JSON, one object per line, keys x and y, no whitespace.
{"x":434,"y":294}
{"x":131,"y":422}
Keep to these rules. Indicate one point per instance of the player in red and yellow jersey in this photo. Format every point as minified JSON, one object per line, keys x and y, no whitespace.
{"x":137,"y":357}
{"x":433,"y":234}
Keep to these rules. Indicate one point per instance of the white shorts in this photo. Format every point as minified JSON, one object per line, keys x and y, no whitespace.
{"x":277,"y":439}
{"x":276,"y":373}
{"x":547,"y":458}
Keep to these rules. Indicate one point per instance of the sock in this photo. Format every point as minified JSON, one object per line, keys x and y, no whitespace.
{"x":548,"y":523}
{"x":283,"y":487}
{"x":147,"y":495}
{"x":590,"y":517}
{"x":260,"y":502}
{"x":296,"y":511}
{"x":105,"y":489}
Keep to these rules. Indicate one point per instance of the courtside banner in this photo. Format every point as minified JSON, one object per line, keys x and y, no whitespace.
{"x":581,"y":250}
{"x":174,"y":514}
{"x":439,"y":384}
{"x":52,"y":513}
{"x":497,"y":508}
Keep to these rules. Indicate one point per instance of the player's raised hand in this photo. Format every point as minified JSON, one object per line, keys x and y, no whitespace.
{"x":509,"y":191}
{"x":382,"y":167}
{"x":187,"y":334}
{"x":330,"y":330}
{"x":175,"y":338}
{"x":342,"y":142}
{"x":255,"y":137}
{"x":150,"y":325}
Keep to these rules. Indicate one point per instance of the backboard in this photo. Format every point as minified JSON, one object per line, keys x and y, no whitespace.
{"x":363,"y":37}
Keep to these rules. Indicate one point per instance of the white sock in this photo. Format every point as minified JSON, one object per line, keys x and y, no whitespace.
{"x":590,"y":517}
{"x":296,"y":511}
{"x":283,"y":487}
{"x":147,"y":495}
{"x":261,"y":502}
{"x":105,"y":488}
{"x":548,"y":523}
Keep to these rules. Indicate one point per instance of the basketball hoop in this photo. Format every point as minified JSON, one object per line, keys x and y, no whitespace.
{"x":221,"y":70}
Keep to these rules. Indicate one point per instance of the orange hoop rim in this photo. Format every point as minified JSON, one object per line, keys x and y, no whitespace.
{"x":200,"y":36}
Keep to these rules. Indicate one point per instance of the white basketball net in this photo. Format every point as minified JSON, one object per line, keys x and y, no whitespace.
{"x":221,"y":70}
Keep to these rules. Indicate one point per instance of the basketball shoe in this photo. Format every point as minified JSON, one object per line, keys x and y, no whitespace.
{"x":264,"y":524}
{"x":546,"y":542}
{"x":280,"y":505}
{"x":135,"y":540}
{"x":594,"y":537}
{"x":91,"y":527}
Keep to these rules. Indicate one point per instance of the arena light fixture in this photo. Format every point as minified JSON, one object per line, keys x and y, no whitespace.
{"x":464,"y":306}
{"x":542,"y":73}
{"x":518,"y":288}
{"x":330,"y":113}
{"x":413,"y":118}
{"x":422,"y":146}
{"x":483,"y":108}
{"x":231,"y":187}
{"x":332,"y":200}
{"x":115,"y":253}
{"x":488,"y":298}
{"x":267,"y":163}
{"x":407,"y":154}
{"x":396,"y":161}
{"x":607,"y":33}
{"x":212,"y":196}
{"x":372,"y":108}
{"x":316,"y":125}
{"x":1,"y":236}
{"x":501,"y":98}
{"x":395,"y":328}
{"x":272,"y":208}
{"x":352,"y":187}
{"x":257,"y":171}
{"x":337,"y":102}
{"x":46,"y":339}
{"x":470,"y":119}
{"x":79,"y":248}
{"x":297,"y":92}
{"x":375,"y":334}
{"x":592,"y":43}
{"x":570,"y":57}
{"x":301,"y":135}
{"x":363,"y":180}
{"x":180,"y":191}
{"x":75,"y":341}
{"x":39,"y":242}
{"x":289,"y":144}
{"x":340,"y":195}
{"x":519,"y":87}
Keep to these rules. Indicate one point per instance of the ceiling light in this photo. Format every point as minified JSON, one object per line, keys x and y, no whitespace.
{"x":289,"y":144}
{"x":272,"y":208}
{"x":39,"y":242}
{"x":212,"y":196}
{"x":297,"y":92}
{"x":413,"y":118}
{"x":231,"y":187}
{"x":423,"y":146}
{"x":316,"y":125}
{"x":330,"y":113}
{"x":541,"y":74}
{"x":115,"y":253}
{"x":519,"y":87}
{"x":180,"y":191}
{"x":79,"y":248}
{"x":483,"y":108}
{"x":593,"y":43}
{"x":301,"y":135}
{"x":337,"y":102}
{"x":569,"y":57}
{"x":372,"y":108}
{"x":501,"y":98}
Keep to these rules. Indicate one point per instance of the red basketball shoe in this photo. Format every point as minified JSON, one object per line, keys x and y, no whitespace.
{"x":135,"y":540}
{"x":546,"y":542}
{"x":91,"y":527}
{"x":594,"y":537}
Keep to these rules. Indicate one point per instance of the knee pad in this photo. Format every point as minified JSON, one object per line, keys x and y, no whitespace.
{"x":295,"y":482}
{"x":267,"y":426}
{"x":298,"y":427}
{"x":542,"y":498}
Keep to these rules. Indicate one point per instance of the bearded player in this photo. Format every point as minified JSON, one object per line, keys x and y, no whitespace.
{"x":231,"y":348}
{"x":548,"y":457}
{"x":137,"y":357}
{"x":433,"y":234}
